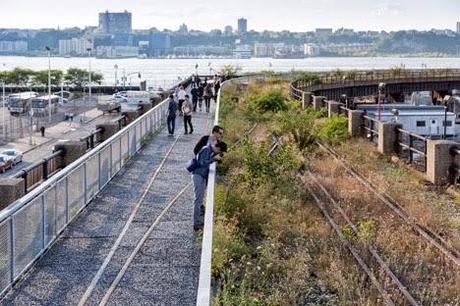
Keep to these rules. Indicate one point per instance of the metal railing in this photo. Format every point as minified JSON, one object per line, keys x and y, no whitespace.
{"x":412,"y":147}
{"x":330,"y":80}
{"x":32,"y":223}
{"x":371,"y":128}
{"x":40,"y":171}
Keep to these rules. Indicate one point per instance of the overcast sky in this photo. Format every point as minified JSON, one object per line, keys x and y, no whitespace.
{"x":293,"y":15}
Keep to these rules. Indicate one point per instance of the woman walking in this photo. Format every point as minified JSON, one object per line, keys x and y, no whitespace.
{"x":187,"y":109}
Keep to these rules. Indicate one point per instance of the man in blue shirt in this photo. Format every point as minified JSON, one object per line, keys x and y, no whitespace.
{"x":205,"y":157}
{"x":171,"y":115}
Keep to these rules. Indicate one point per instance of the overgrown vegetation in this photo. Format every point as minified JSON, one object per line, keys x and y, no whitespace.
{"x":267,"y":247}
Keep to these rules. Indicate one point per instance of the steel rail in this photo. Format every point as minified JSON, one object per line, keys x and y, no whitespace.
{"x":428,"y":234}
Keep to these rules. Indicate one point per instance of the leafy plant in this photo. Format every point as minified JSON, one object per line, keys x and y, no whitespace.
{"x":334,"y":130}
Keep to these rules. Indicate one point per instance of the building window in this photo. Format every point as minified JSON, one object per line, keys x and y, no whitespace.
{"x":449,"y":123}
{"x":421,"y":123}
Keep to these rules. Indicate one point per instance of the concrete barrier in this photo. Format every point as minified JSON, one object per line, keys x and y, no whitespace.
{"x":355,"y":119}
{"x":130,"y":116}
{"x":439,"y":160}
{"x":307,"y":99}
{"x":11,"y":189}
{"x":108,"y":129}
{"x":145,"y":107}
{"x":318,"y":102}
{"x":387,"y":137}
{"x":333,"y":108}
{"x":73,"y":150}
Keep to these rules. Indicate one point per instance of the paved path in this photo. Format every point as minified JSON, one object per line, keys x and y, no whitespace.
{"x":165,"y":272}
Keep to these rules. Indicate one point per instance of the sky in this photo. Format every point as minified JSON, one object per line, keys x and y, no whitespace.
{"x":292,"y":15}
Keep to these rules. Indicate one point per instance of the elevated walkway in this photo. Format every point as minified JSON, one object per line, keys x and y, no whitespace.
{"x":166,"y":268}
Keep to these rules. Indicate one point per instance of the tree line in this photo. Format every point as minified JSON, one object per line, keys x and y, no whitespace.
{"x":27,"y":77}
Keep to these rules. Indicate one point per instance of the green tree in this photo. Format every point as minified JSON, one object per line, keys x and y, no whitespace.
{"x":229,"y":71}
{"x":20,"y":76}
{"x":80,"y":77}
{"x":351,"y":74}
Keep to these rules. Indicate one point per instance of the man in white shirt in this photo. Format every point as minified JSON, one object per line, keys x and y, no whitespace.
{"x":181,"y":98}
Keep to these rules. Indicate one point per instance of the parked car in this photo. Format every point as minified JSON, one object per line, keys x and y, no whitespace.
{"x":5,"y":163}
{"x":109,"y":106}
{"x":14,"y":154}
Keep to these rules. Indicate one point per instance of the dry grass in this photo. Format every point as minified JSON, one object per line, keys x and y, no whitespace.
{"x":428,"y":275}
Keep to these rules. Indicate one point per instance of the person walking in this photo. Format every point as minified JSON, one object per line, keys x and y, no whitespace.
{"x":200,"y":95}
{"x":205,"y":158}
{"x":207,"y":140}
{"x":216,"y":89}
{"x":207,"y":96}
{"x":194,"y":93}
{"x":181,"y":98}
{"x":187,"y":109}
{"x":171,"y":115}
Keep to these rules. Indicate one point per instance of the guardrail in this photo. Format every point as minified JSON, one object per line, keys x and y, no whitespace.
{"x":328,"y":80}
{"x":412,"y":147}
{"x":370,"y":126}
{"x":40,"y":171}
{"x":32,"y":223}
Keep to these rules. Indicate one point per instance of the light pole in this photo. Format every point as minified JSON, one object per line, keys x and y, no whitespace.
{"x":3,"y":109}
{"x":49,"y":83}
{"x":89,"y":74}
{"x":379,"y":106}
{"x":116,"y":75}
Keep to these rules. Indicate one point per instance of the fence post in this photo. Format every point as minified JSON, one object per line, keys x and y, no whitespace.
{"x":354,"y":122}
{"x":387,"y":136}
{"x":439,"y":160}
{"x":333,"y":108}
{"x":306,"y":99}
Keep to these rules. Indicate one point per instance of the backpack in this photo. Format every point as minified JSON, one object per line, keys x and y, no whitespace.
{"x":192,"y":165}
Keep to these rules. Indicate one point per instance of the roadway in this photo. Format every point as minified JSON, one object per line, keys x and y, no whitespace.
{"x":63,"y":130}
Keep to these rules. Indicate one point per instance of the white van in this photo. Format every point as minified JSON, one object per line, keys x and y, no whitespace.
{"x":132,"y":97}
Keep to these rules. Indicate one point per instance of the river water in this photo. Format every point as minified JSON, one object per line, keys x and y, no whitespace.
{"x":163,"y":72}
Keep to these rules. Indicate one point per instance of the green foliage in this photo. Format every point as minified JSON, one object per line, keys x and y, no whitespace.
{"x":338,"y":73}
{"x":367,"y":230}
{"x":41,"y":77}
{"x":334,"y":130}
{"x":230,"y":71}
{"x":351,"y":74}
{"x":266,"y":102}
{"x":299,"y":125}
{"x":80,"y":77}
{"x":20,"y":76}
{"x":307,"y":76}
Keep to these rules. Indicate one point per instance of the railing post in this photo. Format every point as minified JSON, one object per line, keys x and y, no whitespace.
{"x":411,"y":144}
{"x":45,"y":169}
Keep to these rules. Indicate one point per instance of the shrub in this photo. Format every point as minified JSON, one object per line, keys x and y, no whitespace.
{"x":269,"y":101}
{"x":299,"y":125}
{"x":334,"y":130}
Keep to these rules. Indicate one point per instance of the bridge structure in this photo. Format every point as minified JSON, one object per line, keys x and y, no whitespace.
{"x":438,"y":159}
{"x":114,"y":226}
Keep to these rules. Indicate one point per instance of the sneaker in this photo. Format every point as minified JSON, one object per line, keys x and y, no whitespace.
{"x":191,"y":132}
{"x":198,"y":227}
{"x":185,"y":133}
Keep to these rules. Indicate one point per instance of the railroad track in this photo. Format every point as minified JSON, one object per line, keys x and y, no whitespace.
{"x":97,"y":277}
{"x":429,"y":235}
{"x":387,"y":297}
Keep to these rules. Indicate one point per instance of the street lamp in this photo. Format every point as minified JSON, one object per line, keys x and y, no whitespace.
{"x":379,"y":106}
{"x":89,"y":74}
{"x":49,"y":83}
{"x":116,"y":75}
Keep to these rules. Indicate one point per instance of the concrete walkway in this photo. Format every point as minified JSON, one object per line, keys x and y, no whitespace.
{"x":165,"y":271}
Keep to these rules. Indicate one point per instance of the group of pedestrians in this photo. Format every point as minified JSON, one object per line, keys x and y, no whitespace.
{"x":180,"y":102}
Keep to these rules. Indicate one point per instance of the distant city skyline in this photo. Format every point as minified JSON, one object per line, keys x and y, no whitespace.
{"x":205,"y":15}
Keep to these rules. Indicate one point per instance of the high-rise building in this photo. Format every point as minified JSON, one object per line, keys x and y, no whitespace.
{"x":160,"y":43}
{"x":242,"y":25}
{"x":113,"y":23}
{"x":74,"y":46}
{"x":228,"y":30}
{"x":458,"y":27}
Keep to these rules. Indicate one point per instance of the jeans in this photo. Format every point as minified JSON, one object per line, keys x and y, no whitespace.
{"x":171,"y":121}
{"x":207,"y":102}
{"x":188,"y":119}
{"x":199,"y":184}
{"x":195,"y":103}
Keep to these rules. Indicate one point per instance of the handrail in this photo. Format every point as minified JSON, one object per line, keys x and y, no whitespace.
{"x":203,"y":297}
{"x":31,"y":224}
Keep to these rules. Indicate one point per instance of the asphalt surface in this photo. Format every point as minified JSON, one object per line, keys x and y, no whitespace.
{"x":166,"y":270}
